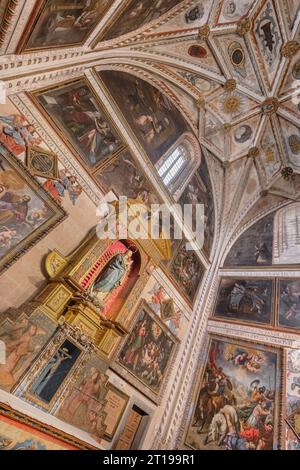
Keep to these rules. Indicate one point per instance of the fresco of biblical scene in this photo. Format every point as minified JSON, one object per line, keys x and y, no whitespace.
{"x":63,"y":23}
{"x":147,"y":351}
{"x":187,"y":271}
{"x":153,"y":118}
{"x":26,"y":210}
{"x":53,"y":375}
{"x":246,"y":300}
{"x":84,"y":404}
{"x":255,"y":245}
{"x":137,"y":14}
{"x":78,"y":116}
{"x":19,"y":436}
{"x":238,"y":402}
{"x":199,"y":191}
{"x":23,"y":339}
{"x":292,"y":398}
{"x":124,"y":177}
{"x":289,"y":306}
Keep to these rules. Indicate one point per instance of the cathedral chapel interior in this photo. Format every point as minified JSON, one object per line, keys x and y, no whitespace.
{"x":125,"y":342}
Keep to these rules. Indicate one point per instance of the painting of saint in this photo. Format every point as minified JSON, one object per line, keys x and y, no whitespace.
{"x":25,"y":209}
{"x":153,"y":118}
{"x":199,"y":191}
{"x":55,"y":372}
{"x":237,"y":405}
{"x":289,"y":306}
{"x":60,"y":23}
{"x":85,"y":402}
{"x":23,"y":340}
{"x":255,"y":245}
{"x":77,"y":114}
{"x":187,"y":271}
{"x":137,"y":14}
{"x":147,"y":351}
{"x":125,"y":178}
{"x":248,"y":300}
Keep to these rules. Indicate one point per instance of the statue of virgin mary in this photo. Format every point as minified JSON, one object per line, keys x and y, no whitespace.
{"x":112,"y":276}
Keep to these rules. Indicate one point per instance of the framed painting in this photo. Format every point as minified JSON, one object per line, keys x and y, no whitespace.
{"x":147,"y":353}
{"x":135,"y":14}
{"x":115,"y":406}
{"x":289,"y":304}
{"x":27,"y":211}
{"x":61,"y":23}
{"x":237,"y":405}
{"x":84,"y":403}
{"x":47,"y":384}
{"x":78,"y":117}
{"x":245,"y":300}
{"x":21,"y":432}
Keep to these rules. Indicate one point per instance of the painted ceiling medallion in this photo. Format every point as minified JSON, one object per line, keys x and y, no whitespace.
{"x":290,"y":49}
{"x":230,"y":85}
{"x":232,"y":104}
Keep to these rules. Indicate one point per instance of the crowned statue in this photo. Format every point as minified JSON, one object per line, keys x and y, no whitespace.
{"x":112,"y":277}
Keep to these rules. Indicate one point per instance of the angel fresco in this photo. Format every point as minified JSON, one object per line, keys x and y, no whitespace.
{"x":63,"y":23}
{"x":237,"y":403}
{"x":23,"y":342}
{"x":75,"y":111}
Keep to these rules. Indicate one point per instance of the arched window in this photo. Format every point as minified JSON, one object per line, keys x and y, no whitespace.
{"x":175,"y":167}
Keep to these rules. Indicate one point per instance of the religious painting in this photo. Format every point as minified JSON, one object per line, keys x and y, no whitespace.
{"x":23,"y":339}
{"x":155,"y":121}
{"x":116,"y":403}
{"x":84,"y":404}
{"x":80,"y":119}
{"x":289,"y":303}
{"x":21,"y":432}
{"x":237,"y":407}
{"x":46,"y":385}
{"x":187,"y":271}
{"x":163,"y":304}
{"x":60,"y":23}
{"x":199,"y":191}
{"x":292,"y":397}
{"x":136,"y":14}
{"x":245,"y":300}
{"x":147,"y":352}
{"x":234,"y":10}
{"x":255,"y":245}
{"x":64,"y":185}
{"x":124,"y":177}
{"x":27,"y":212}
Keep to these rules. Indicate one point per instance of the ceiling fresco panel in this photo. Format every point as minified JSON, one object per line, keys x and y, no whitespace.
{"x":59,"y":23}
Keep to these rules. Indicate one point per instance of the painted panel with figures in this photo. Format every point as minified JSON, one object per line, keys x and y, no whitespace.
{"x":237,"y":405}
{"x":59,"y":23}
{"x":27,"y":212}
{"x":75,"y":111}
{"x":148,"y":350}
{"x":245,"y":300}
{"x":153,"y":118}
